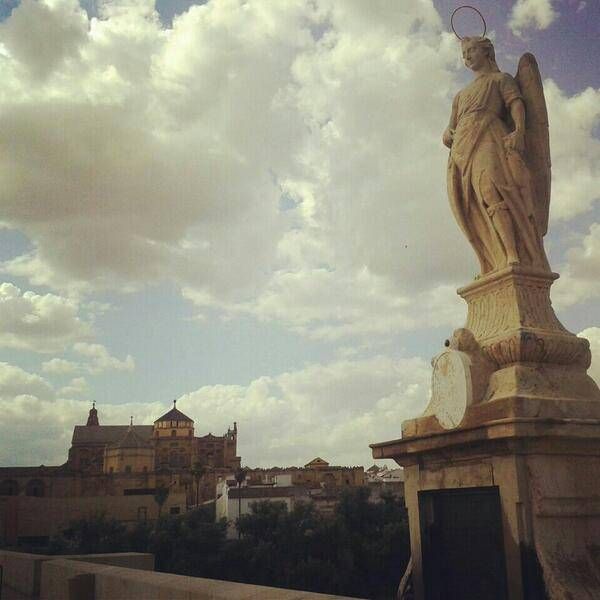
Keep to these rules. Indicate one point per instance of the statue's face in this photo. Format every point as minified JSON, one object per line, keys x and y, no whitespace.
{"x":474,"y":56}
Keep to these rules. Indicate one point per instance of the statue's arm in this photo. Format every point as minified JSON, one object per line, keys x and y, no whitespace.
{"x":516,"y":140}
{"x":448,"y":136}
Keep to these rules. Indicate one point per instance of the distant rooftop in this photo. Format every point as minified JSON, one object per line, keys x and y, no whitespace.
{"x":174,"y":415}
{"x":131,"y":439}
{"x":108,"y":434}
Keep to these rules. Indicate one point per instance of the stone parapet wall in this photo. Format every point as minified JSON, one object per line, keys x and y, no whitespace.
{"x":110,"y":582}
{"x":22,"y":572}
{"x":127,"y":576}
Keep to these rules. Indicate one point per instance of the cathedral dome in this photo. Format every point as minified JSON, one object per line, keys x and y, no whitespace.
{"x":174,"y":418}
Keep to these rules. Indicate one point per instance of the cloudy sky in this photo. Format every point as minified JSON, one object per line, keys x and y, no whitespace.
{"x":241,"y":204}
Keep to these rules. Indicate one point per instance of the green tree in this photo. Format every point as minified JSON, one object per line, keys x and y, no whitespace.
{"x":360,"y":550}
{"x":95,"y":534}
{"x":188,"y":544}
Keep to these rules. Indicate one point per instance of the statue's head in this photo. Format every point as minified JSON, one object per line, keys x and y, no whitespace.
{"x":478,"y":52}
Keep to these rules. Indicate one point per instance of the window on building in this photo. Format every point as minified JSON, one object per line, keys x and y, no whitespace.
{"x":9,"y":487}
{"x":177,"y":459}
{"x":35,"y":487}
{"x":173,"y":433}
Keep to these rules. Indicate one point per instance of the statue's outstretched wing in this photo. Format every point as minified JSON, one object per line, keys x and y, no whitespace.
{"x":537,"y":140}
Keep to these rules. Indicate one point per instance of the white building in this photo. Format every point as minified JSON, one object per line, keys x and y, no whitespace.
{"x":233,"y":500}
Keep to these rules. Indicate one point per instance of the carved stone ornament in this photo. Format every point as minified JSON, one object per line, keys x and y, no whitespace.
{"x":460,"y":378}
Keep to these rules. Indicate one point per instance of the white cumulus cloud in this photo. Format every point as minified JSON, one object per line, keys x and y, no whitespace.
{"x":15,"y":382}
{"x":78,"y":386}
{"x":575,"y":150}
{"x":268,"y":157}
{"x":42,"y":323}
{"x":59,"y":366}
{"x":100,"y":360}
{"x":592,"y":334}
{"x":334,"y":410}
{"x":145,"y":154}
{"x":580,"y":276}
{"x":538,"y":14}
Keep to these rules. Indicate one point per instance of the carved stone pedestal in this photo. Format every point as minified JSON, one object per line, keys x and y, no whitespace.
{"x":502,"y":472}
{"x":510,"y":316}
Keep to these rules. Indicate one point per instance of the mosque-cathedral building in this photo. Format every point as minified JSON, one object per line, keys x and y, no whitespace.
{"x":117,"y":469}
{"x":122,"y":460}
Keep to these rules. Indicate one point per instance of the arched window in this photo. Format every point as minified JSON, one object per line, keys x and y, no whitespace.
{"x":9,"y":487}
{"x":35,"y":487}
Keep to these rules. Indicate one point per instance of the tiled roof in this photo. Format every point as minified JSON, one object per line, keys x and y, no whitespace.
{"x":174,"y":415}
{"x":107,"y":434}
{"x":317,"y":462}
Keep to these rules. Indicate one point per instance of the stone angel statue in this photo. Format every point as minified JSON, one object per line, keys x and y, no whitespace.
{"x":499,"y":164}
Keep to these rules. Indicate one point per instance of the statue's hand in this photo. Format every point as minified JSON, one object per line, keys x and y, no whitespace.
{"x":448,"y":137}
{"x":515,"y":142}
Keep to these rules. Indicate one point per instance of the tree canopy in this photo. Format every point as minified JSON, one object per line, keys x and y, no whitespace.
{"x":361,"y":549}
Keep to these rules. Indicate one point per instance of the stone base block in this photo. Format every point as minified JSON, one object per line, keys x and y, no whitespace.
{"x":545,"y":472}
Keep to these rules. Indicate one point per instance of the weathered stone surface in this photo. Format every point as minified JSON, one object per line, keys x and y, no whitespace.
{"x":111,"y":583}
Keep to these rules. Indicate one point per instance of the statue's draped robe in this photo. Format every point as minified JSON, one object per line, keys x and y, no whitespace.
{"x":478,"y":161}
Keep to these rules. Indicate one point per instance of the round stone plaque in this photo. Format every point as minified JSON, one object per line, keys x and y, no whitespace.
{"x":451,"y":387}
